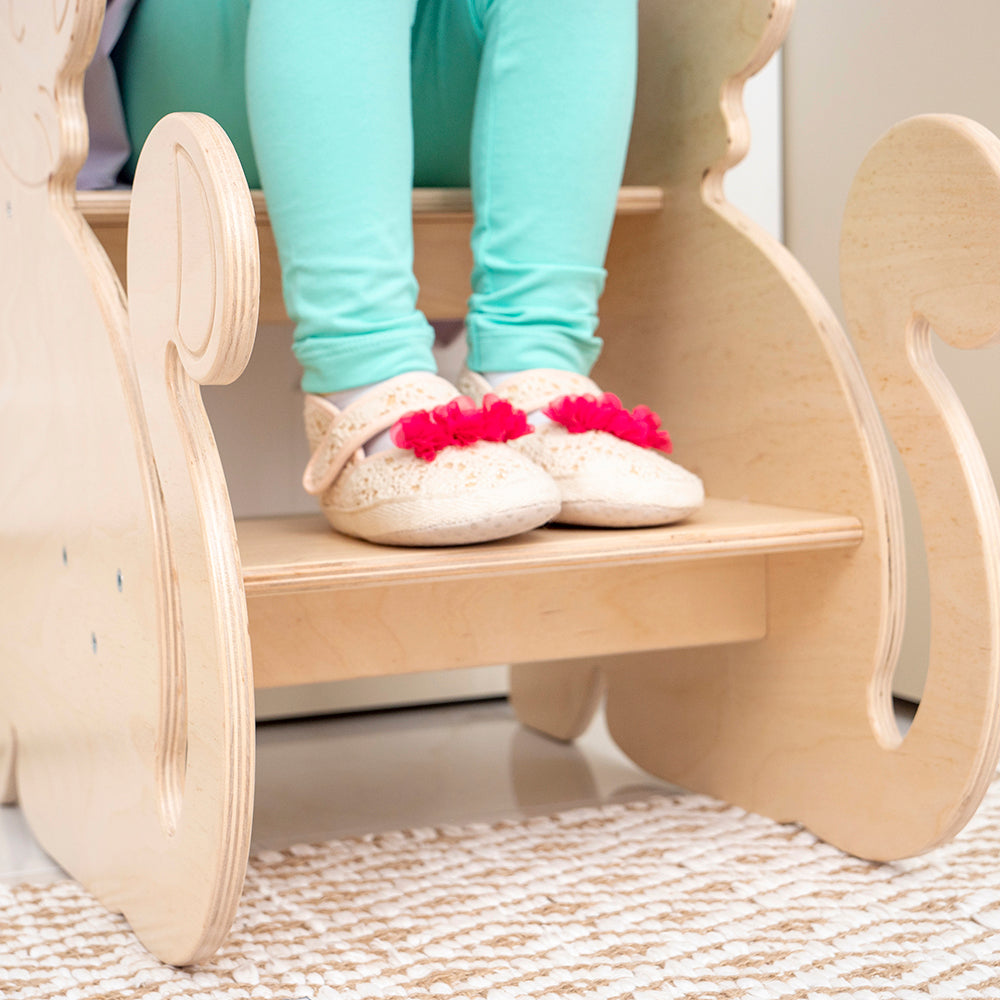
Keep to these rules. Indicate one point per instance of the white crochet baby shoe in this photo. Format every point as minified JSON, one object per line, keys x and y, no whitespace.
{"x":462,"y":490}
{"x":605,"y":480}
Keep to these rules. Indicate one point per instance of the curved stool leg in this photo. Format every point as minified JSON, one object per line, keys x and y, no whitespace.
{"x":920,"y":254}
{"x":124,"y":641}
{"x":558,"y":699}
{"x":8,"y":749}
{"x":799,"y":726}
{"x":766,"y":398}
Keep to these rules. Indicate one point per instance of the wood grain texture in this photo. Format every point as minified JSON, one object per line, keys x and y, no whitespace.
{"x":920,"y":255}
{"x":41,"y":149}
{"x":765,"y":397}
{"x":126,"y":659}
{"x":294,"y":554}
{"x":193,"y":305}
{"x":746,"y":653}
{"x":442,"y":219}
{"x":687,"y":292}
{"x":365,"y":610}
{"x":325,"y":635}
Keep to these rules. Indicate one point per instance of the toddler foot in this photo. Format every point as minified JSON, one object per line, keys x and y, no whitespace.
{"x":605,"y":479}
{"x":451,"y":489}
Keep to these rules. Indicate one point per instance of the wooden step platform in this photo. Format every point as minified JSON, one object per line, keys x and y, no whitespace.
{"x":325,"y":607}
{"x":442,"y":221}
{"x":111,"y":208}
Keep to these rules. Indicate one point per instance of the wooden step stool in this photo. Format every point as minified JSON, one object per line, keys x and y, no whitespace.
{"x":747,"y":654}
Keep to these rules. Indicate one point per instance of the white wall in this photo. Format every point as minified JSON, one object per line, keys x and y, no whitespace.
{"x":755,"y":184}
{"x":852,"y":69}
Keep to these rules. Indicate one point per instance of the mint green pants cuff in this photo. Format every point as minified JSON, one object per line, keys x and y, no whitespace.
{"x":543,"y":348}
{"x":369,"y":358}
{"x":351,"y":102}
{"x":534,"y":316}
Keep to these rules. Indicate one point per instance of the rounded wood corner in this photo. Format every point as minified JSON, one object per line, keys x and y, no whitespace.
{"x":8,"y":760}
{"x":193,"y":254}
{"x":694,"y":61}
{"x":45,"y":49}
{"x":558,"y":699}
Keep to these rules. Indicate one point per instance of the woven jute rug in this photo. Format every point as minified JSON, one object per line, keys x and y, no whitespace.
{"x":658,"y":898}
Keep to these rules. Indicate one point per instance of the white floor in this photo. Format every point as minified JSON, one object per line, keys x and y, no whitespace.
{"x":323,"y":778}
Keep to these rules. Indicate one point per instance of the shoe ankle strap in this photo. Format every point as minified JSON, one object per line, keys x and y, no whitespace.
{"x":347,"y":431}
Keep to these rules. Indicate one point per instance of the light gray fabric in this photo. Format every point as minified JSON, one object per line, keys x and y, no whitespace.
{"x":109,"y":145}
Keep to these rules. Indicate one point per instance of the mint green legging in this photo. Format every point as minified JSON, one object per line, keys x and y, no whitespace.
{"x":351,"y":102}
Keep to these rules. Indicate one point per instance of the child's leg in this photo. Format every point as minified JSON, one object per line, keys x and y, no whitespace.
{"x":549,"y":136}
{"x":553,"y":109}
{"x":328,"y":90}
{"x":548,"y":141}
{"x":186,"y":55}
{"x":552,"y":85}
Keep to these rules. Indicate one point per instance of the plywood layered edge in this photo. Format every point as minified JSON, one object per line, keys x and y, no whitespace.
{"x":111,"y":208}
{"x":300,"y":553}
{"x":442,"y":225}
{"x":324,"y":607}
{"x":126,"y":698}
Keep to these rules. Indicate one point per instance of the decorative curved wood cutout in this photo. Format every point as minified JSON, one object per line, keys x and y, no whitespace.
{"x":921,"y":253}
{"x":59,"y":12}
{"x":41,"y":42}
{"x":203,"y":334}
{"x":771,"y":403}
{"x":123,"y":638}
{"x":195,"y":316}
{"x":127,"y":664}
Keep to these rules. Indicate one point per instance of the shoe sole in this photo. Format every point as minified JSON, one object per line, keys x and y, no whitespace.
{"x":597,"y":514}
{"x":466,"y":521}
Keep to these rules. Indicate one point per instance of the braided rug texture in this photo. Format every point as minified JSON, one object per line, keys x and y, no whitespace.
{"x":652,"y":899}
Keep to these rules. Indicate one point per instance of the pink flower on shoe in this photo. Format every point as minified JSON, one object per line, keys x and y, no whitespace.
{"x":458,"y":424}
{"x":606,"y":413}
